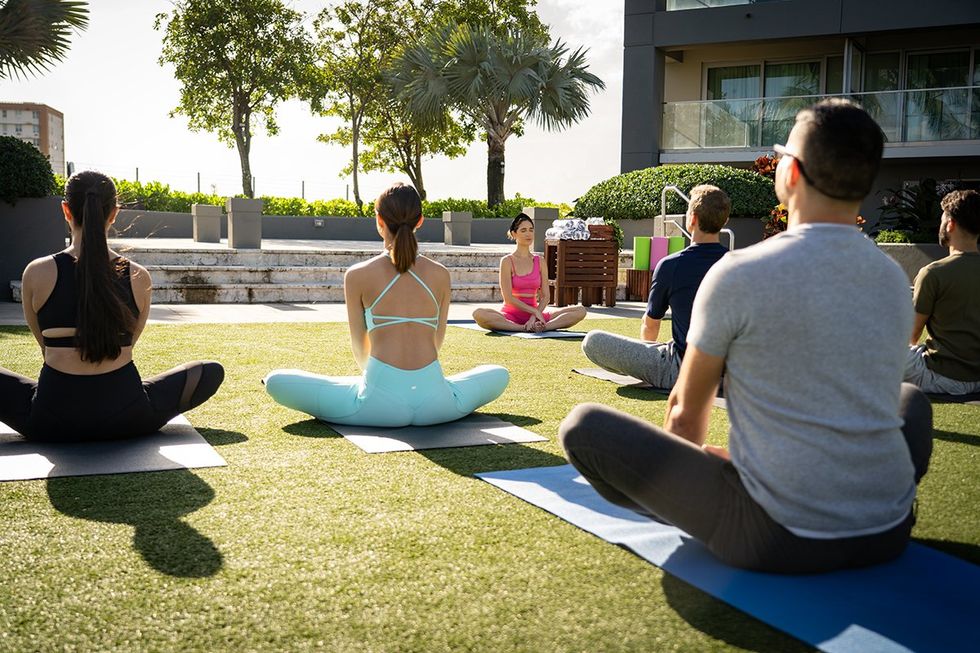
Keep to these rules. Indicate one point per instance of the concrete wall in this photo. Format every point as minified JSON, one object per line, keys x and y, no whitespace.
{"x":160,"y":224}
{"x":912,"y":258}
{"x":28,"y":230}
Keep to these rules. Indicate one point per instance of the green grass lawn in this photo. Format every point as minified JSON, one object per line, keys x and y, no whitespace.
{"x":303,"y":542}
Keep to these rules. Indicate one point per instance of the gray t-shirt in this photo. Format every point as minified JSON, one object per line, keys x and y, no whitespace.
{"x":814,"y":326}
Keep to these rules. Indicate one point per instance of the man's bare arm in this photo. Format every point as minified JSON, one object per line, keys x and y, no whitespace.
{"x":689,"y":404}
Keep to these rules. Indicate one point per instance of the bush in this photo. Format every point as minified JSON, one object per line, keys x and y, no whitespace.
{"x":914,"y":209}
{"x":893,"y":236}
{"x":24,"y":171}
{"x":506,"y":209}
{"x":636,"y":194}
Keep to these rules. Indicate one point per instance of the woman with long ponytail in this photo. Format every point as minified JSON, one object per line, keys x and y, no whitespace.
{"x":87,"y":307}
{"x":397,"y":305}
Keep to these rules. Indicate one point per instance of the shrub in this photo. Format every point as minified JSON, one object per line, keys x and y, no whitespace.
{"x":914,"y":209}
{"x":24,"y":171}
{"x":636,"y":194}
{"x":893,"y":236}
{"x":506,"y":209}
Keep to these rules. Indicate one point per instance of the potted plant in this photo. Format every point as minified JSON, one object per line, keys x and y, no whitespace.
{"x":31,"y":220}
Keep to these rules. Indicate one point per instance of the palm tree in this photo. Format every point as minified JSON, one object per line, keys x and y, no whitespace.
{"x":34,"y":33}
{"x":496,"y":81}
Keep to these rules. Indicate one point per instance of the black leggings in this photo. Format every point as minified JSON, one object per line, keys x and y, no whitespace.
{"x":118,"y":404}
{"x":646,"y":469}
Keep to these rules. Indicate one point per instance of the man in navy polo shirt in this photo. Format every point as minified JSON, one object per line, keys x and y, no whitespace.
{"x":675,"y":283}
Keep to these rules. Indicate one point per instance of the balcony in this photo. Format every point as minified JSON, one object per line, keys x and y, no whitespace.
{"x":678,"y":5}
{"x":926,"y":116}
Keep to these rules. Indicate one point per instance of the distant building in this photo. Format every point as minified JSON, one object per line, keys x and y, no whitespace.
{"x":39,"y":125}
{"x":720,"y":81}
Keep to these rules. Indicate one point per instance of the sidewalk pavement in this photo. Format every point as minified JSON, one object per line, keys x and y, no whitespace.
{"x":11,"y":313}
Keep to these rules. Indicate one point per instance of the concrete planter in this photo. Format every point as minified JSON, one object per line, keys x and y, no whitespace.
{"x":913,"y":257}
{"x":244,"y":223}
{"x":31,"y":228}
{"x":457,"y":227}
{"x":207,"y":223}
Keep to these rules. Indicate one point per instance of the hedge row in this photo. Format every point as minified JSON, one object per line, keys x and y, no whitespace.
{"x":156,"y":196}
{"x":636,"y":194}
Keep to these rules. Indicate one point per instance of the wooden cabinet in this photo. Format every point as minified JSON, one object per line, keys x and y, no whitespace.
{"x":591,"y":266}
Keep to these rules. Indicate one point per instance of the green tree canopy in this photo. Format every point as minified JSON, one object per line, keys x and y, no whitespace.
{"x":236,"y":60}
{"x":496,"y":79}
{"x":34,"y":33}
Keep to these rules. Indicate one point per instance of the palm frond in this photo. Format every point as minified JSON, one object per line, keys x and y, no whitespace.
{"x":34,"y":34}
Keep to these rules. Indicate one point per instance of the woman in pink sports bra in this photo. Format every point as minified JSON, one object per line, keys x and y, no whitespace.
{"x":524,"y":287}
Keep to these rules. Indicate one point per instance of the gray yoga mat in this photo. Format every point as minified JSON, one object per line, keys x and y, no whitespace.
{"x":176,"y":446}
{"x":473,"y":326}
{"x":471,"y":431}
{"x":632,"y":382}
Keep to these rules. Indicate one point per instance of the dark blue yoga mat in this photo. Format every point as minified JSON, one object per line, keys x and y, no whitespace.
{"x":924,"y":601}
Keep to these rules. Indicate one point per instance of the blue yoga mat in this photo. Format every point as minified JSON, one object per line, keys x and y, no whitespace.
{"x":924,"y":601}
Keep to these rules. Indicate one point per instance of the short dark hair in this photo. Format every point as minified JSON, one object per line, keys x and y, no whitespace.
{"x":842,"y":148}
{"x":712,"y":206}
{"x":963,"y":206}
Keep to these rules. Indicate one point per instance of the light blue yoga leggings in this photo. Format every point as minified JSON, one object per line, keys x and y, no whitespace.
{"x":388,"y":396}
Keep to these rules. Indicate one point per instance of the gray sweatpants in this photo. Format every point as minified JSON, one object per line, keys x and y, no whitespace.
{"x":657,"y":363}
{"x":655,"y":473}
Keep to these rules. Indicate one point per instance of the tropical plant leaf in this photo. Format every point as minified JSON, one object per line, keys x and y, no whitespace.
{"x":35,"y":34}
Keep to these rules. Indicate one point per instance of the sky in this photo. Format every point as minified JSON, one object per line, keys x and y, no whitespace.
{"x":117,"y":98}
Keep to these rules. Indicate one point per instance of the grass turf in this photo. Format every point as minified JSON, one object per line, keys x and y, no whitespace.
{"x":305,"y":543}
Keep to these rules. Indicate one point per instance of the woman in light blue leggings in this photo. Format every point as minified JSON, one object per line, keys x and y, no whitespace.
{"x":397,"y":304}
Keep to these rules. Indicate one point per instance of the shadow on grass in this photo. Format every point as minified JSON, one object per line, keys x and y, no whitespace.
{"x":958,"y":438}
{"x":467,"y":461}
{"x":723,"y":622}
{"x":153,"y":504}
{"x":643,"y":394}
{"x":311,"y":428}
{"x":220,"y":437}
{"x":963,"y":550}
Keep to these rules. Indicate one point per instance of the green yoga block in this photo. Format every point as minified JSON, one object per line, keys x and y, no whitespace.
{"x":641,"y":253}
{"x":675,"y":244}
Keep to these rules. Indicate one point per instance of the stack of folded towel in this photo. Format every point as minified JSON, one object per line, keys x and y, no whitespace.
{"x":570,"y":229}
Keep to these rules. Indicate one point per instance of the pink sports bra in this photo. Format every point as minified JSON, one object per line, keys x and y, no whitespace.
{"x":526,"y":285}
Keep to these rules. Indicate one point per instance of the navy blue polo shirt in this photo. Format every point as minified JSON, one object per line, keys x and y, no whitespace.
{"x":674,"y":284}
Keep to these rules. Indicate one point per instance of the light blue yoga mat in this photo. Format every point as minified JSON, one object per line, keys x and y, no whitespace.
{"x":924,"y":601}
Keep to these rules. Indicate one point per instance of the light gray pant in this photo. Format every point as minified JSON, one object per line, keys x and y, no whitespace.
{"x":657,"y":363}
{"x":639,"y":466}
{"x":918,"y":373}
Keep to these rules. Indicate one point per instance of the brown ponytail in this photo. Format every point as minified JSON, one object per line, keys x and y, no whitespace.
{"x":103,"y":318}
{"x":400,"y":207}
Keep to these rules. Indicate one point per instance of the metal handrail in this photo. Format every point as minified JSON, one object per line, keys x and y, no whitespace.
{"x":663,"y":215}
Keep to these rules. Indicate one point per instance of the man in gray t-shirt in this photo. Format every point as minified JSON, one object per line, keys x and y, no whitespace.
{"x":826,"y":444}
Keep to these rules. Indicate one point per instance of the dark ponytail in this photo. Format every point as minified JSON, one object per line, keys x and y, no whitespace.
{"x":103,"y":319}
{"x":400,"y":207}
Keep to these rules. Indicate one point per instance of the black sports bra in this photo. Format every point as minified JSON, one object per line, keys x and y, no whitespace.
{"x":61,"y":308}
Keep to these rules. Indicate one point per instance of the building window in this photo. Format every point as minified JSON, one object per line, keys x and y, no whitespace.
{"x":36,"y":115}
{"x":732,"y":120}
{"x":798,"y":84}
{"x":938,"y":110}
{"x":18,"y":129}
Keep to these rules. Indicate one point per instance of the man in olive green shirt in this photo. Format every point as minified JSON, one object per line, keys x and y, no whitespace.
{"x":947,"y":305}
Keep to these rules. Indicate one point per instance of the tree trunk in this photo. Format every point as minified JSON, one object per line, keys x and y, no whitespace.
{"x":356,"y":163}
{"x":495,"y":170}
{"x":415,"y":173}
{"x":243,"y":140}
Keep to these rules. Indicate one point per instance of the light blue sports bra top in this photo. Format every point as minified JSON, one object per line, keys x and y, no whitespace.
{"x":371,"y":320}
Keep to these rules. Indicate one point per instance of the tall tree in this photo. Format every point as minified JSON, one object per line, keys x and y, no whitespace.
{"x":353,"y":39}
{"x":34,"y":33}
{"x":496,"y":78}
{"x":236,"y":60}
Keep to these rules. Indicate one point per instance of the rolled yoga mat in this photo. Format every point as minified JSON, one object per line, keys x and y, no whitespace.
{"x":641,"y":253}
{"x":676,"y":244}
{"x":923,"y":601}
{"x":658,"y":250}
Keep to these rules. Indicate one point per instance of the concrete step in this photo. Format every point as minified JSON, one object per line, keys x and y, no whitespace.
{"x":290,"y":293}
{"x":288,"y":258}
{"x":296,"y":274}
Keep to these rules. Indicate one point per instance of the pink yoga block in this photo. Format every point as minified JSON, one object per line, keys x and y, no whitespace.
{"x":658,"y":250}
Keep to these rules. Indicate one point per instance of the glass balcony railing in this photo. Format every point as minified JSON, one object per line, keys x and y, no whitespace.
{"x":927,"y":115}
{"x":676,"y":5}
